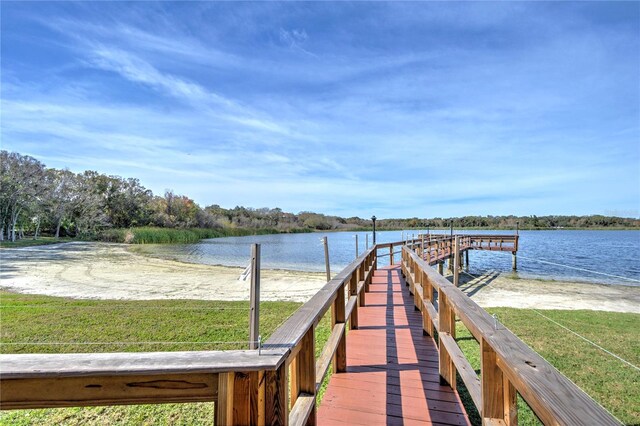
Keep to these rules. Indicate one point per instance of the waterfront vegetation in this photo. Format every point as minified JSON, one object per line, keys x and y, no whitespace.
{"x":36,"y":200}
{"x":41,"y":321}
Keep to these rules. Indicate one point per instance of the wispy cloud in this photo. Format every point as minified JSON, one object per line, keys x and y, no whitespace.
{"x":410,"y":109}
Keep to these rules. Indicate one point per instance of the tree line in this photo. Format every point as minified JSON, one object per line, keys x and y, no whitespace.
{"x":35,"y":200}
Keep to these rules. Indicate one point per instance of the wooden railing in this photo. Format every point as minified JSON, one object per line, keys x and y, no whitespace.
{"x":248,"y":387}
{"x":253,"y":387}
{"x":508,"y":365}
{"x":343,"y":295}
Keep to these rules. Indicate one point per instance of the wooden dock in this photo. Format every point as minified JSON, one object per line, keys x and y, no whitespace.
{"x":392,"y":375}
{"x":386,"y":367}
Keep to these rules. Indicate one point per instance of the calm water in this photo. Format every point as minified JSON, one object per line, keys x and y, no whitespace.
{"x":614,"y":253}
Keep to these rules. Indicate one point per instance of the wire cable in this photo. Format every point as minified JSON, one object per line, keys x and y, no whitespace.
{"x":588,"y":341}
{"x":579,"y":269}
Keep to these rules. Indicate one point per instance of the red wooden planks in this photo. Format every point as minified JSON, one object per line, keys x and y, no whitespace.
{"x":392,"y":369}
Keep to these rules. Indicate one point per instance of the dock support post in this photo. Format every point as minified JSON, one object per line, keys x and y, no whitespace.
{"x":466,"y":259}
{"x":427,"y":288}
{"x":276,"y":397}
{"x":338,"y":317}
{"x":514,"y":262}
{"x":326,"y":258}
{"x":391,"y":255}
{"x":254,"y":298}
{"x":353,"y":292}
{"x":303,"y":372}
{"x":440,"y":267}
{"x":356,"y":246}
{"x":498,"y":394}
{"x":456,"y":262}
{"x":446,"y":326}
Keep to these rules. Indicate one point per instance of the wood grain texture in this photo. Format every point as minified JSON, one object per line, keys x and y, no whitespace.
{"x":353,"y":292}
{"x":392,"y":369}
{"x":323,"y":362}
{"x":289,"y":334}
{"x":224,"y":405}
{"x":306,"y":380}
{"x":106,"y":390}
{"x":303,"y":413}
{"x":447,"y":325}
{"x":276,"y":396}
{"x":464,"y":368}
{"x":338,"y":317}
{"x":553,"y":397}
{"x":31,"y":366}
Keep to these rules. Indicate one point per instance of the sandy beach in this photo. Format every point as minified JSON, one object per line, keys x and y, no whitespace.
{"x":88,"y":270}
{"x":91,"y":270}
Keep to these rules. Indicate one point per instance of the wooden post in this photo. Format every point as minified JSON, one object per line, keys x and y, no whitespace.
{"x":224,"y":404}
{"x":498,"y":394}
{"x":338,"y":317}
{"x":417,"y":278}
{"x":353,"y":291}
{"x":326,"y":258}
{"x":514,"y":260}
{"x":254,"y":300}
{"x":276,"y":397}
{"x":446,"y":325}
{"x":456,"y":261}
{"x":240,"y":398}
{"x":466,"y":259}
{"x":363,"y":292}
{"x":427,"y":289}
{"x":391,"y":255}
{"x":356,"y":246}
{"x":305,"y":371}
{"x":441,"y":267}
{"x":374,"y":259}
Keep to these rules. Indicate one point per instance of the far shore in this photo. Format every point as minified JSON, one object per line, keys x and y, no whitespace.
{"x":90,"y":270}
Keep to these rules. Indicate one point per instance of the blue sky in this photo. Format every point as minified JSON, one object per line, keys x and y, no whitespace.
{"x":394,"y":109}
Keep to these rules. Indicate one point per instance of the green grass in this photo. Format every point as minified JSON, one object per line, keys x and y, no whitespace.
{"x":42,"y":321}
{"x":612,"y":383}
{"x":29,"y":242}
{"x":155,"y":235}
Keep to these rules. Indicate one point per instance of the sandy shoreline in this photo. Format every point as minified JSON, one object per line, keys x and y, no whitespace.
{"x":110,"y":271}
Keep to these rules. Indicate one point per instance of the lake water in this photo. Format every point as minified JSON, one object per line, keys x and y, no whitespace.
{"x":611,"y":257}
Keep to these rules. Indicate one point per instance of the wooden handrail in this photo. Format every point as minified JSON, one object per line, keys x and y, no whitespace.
{"x":508,"y":364}
{"x":62,"y":380}
{"x":253,"y":386}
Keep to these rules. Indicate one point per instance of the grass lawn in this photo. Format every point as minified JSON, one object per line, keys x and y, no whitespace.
{"x":28,"y":242}
{"x":611,"y":382}
{"x":41,"y":321}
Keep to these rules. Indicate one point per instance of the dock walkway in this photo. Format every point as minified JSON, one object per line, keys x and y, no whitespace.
{"x":392,"y":368}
